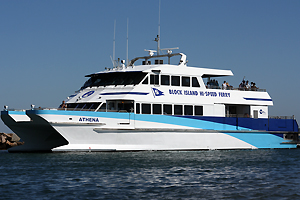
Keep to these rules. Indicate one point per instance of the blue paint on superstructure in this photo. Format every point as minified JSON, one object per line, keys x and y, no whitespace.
{"x":257,"y":99}
{"x":120,"y":93}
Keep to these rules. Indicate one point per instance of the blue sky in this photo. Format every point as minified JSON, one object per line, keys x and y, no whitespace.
{"x":46,"y":47}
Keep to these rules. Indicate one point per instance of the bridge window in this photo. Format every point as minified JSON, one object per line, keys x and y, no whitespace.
{"x":114,"y":78}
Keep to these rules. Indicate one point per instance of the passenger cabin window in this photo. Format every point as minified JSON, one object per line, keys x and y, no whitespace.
{"x":195,"y":82}
{"x":175,"y":80}
{"x":120,"y":106}
{"x":111,"y":106}
{"x":137,"y":108}
{"x":145,"y":81}
{"x":188,"y":110}
{"x":83,"y":106}
{"x":102,"y":108}
{"x":154,"y":79}
{"x":199,"y":110}
{"x":165,"y":80}
{"x":156,"y":108}
{"x":146,"y":108}
{"x":167,"y":109}
{"x":185,"y":81}
{"x":177,"y":109}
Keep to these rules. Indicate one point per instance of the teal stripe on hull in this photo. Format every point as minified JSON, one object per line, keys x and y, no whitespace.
{"x":262,"y":140}
{"x":165,"y":119}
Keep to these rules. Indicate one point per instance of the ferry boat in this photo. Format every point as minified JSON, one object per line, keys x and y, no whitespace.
{"x":154,"y":106}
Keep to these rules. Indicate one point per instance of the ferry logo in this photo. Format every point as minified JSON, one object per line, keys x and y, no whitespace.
{"x":87,"y":94}
{"x":157,"y":92}
{"x":261,"y":111}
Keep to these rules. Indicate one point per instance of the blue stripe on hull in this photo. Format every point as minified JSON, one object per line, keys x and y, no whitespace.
{"x":251,"y":123}
{"x":13,"y":112}
{"x":256,"y":139}
{"x":210,"y":123}
{"x":262,"y":140}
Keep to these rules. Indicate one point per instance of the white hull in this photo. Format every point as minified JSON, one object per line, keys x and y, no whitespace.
{"x":135,"y":140}
{"x":42,"y":133}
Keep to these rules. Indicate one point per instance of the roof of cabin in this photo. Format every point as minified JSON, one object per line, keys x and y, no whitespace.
{"x":180,"y":69}
{"x":170,"y":70}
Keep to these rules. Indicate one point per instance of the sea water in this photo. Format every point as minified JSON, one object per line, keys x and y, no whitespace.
{"x":236,"y":174}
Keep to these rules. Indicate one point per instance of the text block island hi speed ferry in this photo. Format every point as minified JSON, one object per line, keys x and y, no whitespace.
{"x":154,"y":107}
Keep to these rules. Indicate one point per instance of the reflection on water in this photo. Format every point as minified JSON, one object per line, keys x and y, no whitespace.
{"x":152,"y":175}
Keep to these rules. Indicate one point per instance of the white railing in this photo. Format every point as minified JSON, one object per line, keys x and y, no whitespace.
{"x":232,"y":88}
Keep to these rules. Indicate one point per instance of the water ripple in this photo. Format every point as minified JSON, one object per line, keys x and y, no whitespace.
{"x":253,"y":174}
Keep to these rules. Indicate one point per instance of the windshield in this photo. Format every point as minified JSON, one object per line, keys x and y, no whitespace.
{"x":115,"y":78}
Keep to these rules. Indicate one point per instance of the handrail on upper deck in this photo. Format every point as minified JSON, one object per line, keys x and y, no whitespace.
{"x":182,"y":60}
{"x":233,"y":88}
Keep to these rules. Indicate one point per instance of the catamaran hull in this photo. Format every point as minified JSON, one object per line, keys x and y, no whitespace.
{"x":37,"y":134}
{"x":140,"y":140}
{"x":40,"y":133}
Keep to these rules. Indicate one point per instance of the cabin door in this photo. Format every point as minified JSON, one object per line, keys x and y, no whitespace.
{"x":124,"y":110}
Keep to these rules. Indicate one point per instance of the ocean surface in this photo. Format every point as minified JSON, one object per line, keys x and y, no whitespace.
{"x":236,"y":174}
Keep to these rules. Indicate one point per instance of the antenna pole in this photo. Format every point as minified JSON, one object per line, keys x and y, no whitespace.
{"x":127,"y":44}
{"x":114,"y":44}
{"x":158,"y":41}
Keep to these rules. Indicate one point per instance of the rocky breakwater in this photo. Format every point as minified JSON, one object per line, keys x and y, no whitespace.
{"x":8,"y":140}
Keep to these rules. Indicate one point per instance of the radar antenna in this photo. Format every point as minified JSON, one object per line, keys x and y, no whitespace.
{"x":169,"y":51}
{"x":151,"y":52}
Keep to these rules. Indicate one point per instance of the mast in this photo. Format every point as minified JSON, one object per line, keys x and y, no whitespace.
{"x":114,"y":44}
{"x":127,"y":45}
{"x":157,"y":39}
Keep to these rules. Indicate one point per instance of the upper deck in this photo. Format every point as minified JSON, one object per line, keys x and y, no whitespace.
{"x":167,"y":84}
{"x":159,"y":67}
